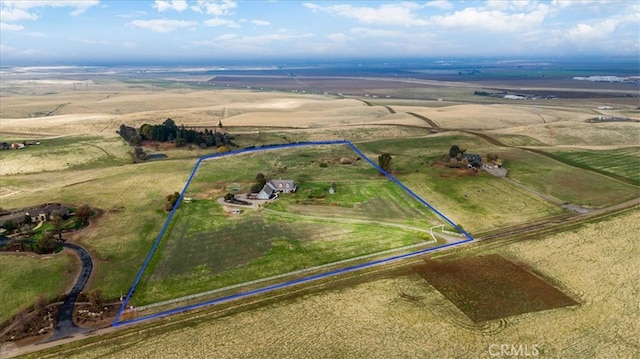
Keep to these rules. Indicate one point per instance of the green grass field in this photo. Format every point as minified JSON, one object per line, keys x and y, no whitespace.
{"x":206,"y":248}
{"x":567,"y":183}
{"x":24,"y":278}
{"x":620,"y":162}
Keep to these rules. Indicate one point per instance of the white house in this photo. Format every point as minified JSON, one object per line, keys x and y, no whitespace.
{"x":276,"y":186}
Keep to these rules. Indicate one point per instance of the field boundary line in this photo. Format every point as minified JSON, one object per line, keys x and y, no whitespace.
{"x":283,"y":275}
{"x":154,"y":247}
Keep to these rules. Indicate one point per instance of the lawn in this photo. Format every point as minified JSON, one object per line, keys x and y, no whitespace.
{"x":24,"y":278}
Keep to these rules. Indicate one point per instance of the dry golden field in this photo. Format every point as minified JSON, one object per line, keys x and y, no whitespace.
{"x":405,"y":317}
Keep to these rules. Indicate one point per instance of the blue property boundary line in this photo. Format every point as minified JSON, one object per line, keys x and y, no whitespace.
{"x":117,"y":323}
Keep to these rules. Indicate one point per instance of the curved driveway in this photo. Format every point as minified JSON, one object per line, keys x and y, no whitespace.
{"x":64,"y":324}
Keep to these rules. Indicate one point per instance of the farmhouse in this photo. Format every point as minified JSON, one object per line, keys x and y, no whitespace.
{"x":472,"y":160}
{"x":43,"y":213}
{"x":273,"y":187}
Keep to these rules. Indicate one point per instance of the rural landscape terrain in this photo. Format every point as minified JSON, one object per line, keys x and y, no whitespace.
{"x":508,"y":194}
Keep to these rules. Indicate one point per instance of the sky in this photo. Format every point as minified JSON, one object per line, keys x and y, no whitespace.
{"x":175,"y":31}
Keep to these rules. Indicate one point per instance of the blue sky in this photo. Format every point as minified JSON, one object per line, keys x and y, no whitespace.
{"x":201,"y":30}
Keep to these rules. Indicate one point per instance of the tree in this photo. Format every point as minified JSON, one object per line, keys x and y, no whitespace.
{"x":384,"y":161}
{"x":146,"y":131}
{"x":27,"y":219}
{"x":453,"y":151}
{"x":10,"y":226}
{"x":57,"y":221}
{"x":46,"y":244}
{"x":172,"y":199}
{"x":82,"y":214}
{"x":229,"y":197}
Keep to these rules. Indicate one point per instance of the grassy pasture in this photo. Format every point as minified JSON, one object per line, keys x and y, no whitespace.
{"x":517,"y":140}
{"x":479,"y":202}
{"x":24,"y":278}
{"x":207,"y":249}
{"x":623,"y":162}
{"x":62,"y":153}
{"x":131,"y":197}
{"x":569,"y":184}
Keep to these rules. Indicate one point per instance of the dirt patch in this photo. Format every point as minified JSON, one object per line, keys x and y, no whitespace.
{"x":491,"y":287}
{"x":87,"y":316}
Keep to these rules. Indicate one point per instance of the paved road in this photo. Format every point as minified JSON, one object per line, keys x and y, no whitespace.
{"x":64,"y":326}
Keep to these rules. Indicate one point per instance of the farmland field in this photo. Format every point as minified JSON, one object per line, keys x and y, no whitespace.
{"x":68,"y":152}
{"x":569,"y":184}
{"x":389,"y":313}
{"x":623,"y":162}
{"x":403,"y":315}
{"x":206,"y":248}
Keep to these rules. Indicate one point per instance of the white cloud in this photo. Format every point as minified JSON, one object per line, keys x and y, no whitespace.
{"x":13,"y":11}
{"x":10,"y":27}
{"x":162,"y":25}
{"x":164,"y":5}
{"x":493,"y":20}
{"x":218,"y":22}
{"x":400,"y":14}
{"x":440,"y":4}
{"x":585,"y":33}
{"x":368,"y":32}
{"x":93,"y":42}
{"x":337,"y":37}
{"x":15,"y":14}
{"x":226,"y":37}
{"x":129,"y":45}
{"x":216,"y":8}
{"x":260,"y":22}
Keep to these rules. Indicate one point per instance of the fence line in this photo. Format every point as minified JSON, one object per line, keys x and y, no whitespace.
{"x":147,"y":260}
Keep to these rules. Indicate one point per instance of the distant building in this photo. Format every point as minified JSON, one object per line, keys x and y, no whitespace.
{"x":273,"y":187}
{"x":472,"y":160}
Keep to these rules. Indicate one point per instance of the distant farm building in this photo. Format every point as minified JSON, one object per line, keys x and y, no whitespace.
{"x":472,"y":160}
{"x":273,"y":187}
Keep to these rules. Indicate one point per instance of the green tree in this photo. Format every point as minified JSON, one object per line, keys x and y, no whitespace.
{"x":46,"y":244}
{"x":10,"y":226}
{"x":146,"y":131}
{"x":453,"y":151}
{"x":384,"y":161}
